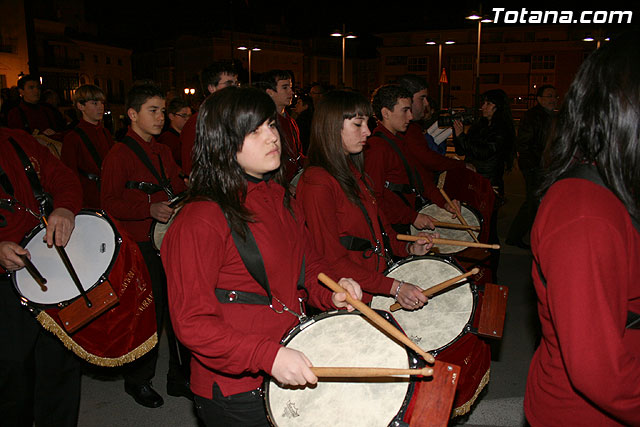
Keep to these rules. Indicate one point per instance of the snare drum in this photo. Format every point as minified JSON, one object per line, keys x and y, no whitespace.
{"x":99,"y":254}
{"x":443,"y":326}
{"x":343,"y":339}
{"x":468,"y":213}
{"x":159,"y":229}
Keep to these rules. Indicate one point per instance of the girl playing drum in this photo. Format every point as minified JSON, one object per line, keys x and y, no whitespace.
{"x":230,"y":317}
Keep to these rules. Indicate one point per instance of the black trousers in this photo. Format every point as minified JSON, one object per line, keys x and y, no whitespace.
{"x":143,"y":370}
{"x":39,"y":377}
{"x":238,"y":410}
{"x":523,"y":221}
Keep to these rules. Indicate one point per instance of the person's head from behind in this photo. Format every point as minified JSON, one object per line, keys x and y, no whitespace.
{"x":418,"y":88}
{"x":29,"y":88}
{"x":392,"y":106}
{"x":219,"y":75}
{"x":178,"y":112}
{"x":316,"y":92}
{"x":145,"y":107}
{"x":600,"y":123}
{"x":547,"y":97}
{"x":278,"y":85}
{"x":303,"y":103}
{"x":89,"y":100}
{"x":50,"y":97}
{"x":495,"y":106}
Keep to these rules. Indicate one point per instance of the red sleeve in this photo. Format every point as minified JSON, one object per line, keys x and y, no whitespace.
{"x":587,"y":298}
{"x":187,"y":139}
{"x":124,"y":204}
{"x":318,"y":199}
{"x":193,"y":254}
{"x":375,"y":164}
{"x":69,"y":154}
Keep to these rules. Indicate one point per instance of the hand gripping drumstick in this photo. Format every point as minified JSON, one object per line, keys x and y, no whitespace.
{"x":436,"y":240}
{"x":440,"y":186}
{"x":376,"y":318}
{"x":331,"y":372}
{"x":437,"y":288}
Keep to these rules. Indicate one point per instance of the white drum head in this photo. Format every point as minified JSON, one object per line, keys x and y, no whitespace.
{"x":347,"y":340}
{"x":92,"y":248}
{"x":445,"y":317}
{"x":443,"y":215}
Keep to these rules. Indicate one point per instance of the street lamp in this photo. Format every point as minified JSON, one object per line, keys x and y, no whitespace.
{"x":433,"y":43}
{"x":481,"y":19}
{"x":344,"y":36}
{"x":253,"y":49}
{"x":599,"y":38}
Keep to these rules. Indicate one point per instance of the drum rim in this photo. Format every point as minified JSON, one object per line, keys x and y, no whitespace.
{"x":103,"y":277}
{"x":472,"y":285}
{"x":414,"y":360}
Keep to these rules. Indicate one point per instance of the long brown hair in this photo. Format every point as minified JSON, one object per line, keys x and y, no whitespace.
{"x":325,"y":149}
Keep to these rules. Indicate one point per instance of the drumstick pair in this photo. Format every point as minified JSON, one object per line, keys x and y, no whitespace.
{"x":440,"y":186}
{"x":437,"y":240}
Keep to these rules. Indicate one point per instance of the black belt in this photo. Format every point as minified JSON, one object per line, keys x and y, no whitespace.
{"x":145,"y":187}
{"x":91,"y":176}
{"x":353,"y":243}
{"x":239,"y":297}
{"x":400,"y":188}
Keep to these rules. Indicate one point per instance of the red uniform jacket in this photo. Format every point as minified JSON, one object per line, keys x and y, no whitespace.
{"x":330,"y":215}
{"x":235,"y":344}
{"x":171,"y":138}
{"x":586,"y":370}
{"x":187,"y":139}
{"x":77,"y":157}
{"x":55,"y":177}
{"x":131,"y":206}
{"x":38,"y":118}
{"x":292,"y":157}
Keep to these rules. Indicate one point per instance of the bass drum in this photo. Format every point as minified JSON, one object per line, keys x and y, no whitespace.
{"x":468,"y":213}
{"x":99,"y":254}
{"x":343,"y":339}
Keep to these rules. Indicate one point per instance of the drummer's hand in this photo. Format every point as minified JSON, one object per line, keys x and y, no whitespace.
{"x":291,"y":367}
{"x":451,"y":209}
{"x":10,"y":255}
{"x":60,"y":224}
{"x":422,"y":246}
{"x":161,"y":211}
{"x":410,"y":296}
{"x":423,"y":221}
{"x":351,"y":286}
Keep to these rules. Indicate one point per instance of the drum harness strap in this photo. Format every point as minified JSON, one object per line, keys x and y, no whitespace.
{"x":590,"y":173}
{"x":94,"y":154}
{"x":353,"y":243}
{"x":164,"y":184}
{"x":415,"y":182}
{"x":252,"y":259}
{"x":44,"y":199}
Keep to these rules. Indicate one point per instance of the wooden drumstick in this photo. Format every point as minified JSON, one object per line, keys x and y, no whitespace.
{"x":441,"y":286}
{"x":376,"y":318}
{"x":28,"y":265}
{"x":436,"y":240}
{"x":440,"y":186}
{"x":344,"y":372}
{"x":456,"y":226}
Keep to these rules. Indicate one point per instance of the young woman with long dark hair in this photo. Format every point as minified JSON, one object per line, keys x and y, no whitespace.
{"x":231,"y":322}
{"x":586,"y":248}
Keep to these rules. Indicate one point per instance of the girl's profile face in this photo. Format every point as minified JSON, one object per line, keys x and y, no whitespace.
{"x":260,"y":152}
{"x":354,"y":134}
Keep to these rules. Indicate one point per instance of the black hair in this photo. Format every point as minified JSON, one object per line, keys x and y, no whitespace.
{"x":599,"y":121}
{"x":387,"y":96}
{"x":141,"y":93}
{"x":176,"y":104}
{"x":27,"y":78}
{"x":412,"y":83}
{"x":325,"y":149}
{"x":270,"y":79}
{"x":226,"y":117}
{"x":213,"y":73}
{"x":542,"y":88}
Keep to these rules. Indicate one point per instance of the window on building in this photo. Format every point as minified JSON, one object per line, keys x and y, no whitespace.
{"x":511,"y":59}
{"x":490,"y":78}
{"x":489,"y":59}
{"x":461,"y":62}
{"x":417,"y":63}
{"x":396,"y":60}
{"x":109,"y":89}
{"x":515,"y":79}
{"x":543,"y":62}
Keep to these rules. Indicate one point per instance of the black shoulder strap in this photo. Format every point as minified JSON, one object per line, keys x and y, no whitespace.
{"x":414,"y":178}
{"x":139,"y":151}
{"x":43,"y":199}
{"x":590,"y":173}
{"x":89,"y":146}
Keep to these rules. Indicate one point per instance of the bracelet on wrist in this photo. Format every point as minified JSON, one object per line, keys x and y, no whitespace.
{"x":398,"y":290}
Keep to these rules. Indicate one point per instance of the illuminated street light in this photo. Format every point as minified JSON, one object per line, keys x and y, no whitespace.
{"x":475,"y":16}
{"x":440,"y":84}
{"x":253,"y":49}
{"x":344,"y":36}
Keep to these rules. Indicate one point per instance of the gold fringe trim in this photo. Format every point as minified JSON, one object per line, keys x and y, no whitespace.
{"x":461,"y":410}
{"x":52,"y":326}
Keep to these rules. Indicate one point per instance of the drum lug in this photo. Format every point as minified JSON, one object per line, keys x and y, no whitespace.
{"x":398,"y":423}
